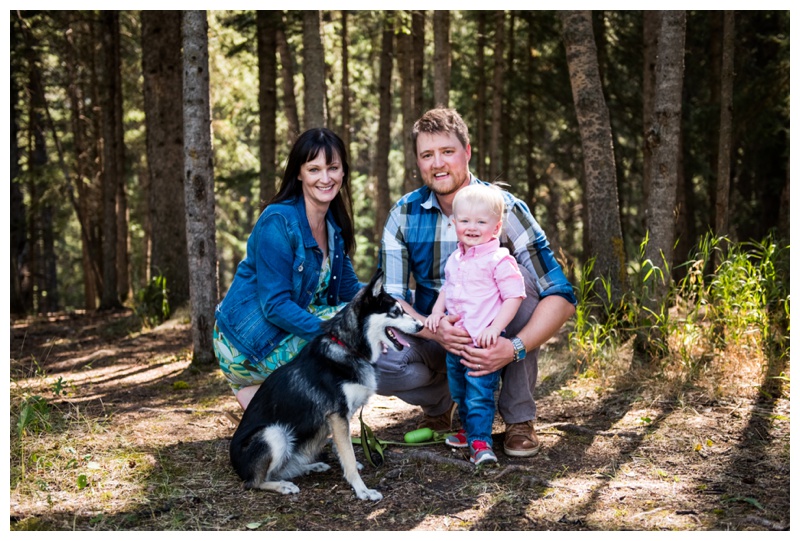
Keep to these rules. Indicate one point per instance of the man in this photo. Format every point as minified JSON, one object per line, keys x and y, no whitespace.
{"x":417,"y":239}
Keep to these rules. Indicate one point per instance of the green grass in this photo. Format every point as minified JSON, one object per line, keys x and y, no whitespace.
{"x":730,"y":306}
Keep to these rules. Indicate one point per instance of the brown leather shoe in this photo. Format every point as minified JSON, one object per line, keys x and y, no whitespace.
{"x":521,"y":439}
{"x":439,"y":423}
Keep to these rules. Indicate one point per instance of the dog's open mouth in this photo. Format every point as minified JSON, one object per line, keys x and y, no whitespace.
{"x":396,"y":339}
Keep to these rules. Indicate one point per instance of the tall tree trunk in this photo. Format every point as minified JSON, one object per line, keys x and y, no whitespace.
{"x":345,"y":130}
{"x":162,"y":67}
{"x":266,"y":25}
{"x":418,"y":57}
{"x":83,"y":167}
{"x":18,"y":229}
{"x":651,"y":28}
{"x":441,"y":58}
{"x":287,"y":80}
{"x":110,"y":297}
{"x":600,"y":180}
{"x":663,"y":136}
{"x":480,"y":104}
{"x":495,"y":167}
{"x":725,"y":127}
{"x":37,"y":159}
{"x":123,"y":213}
{"x":199,"y":187}
{"x":39,"y":107}
{"x":684,"y":215}
{"x":714,"y":52}
{"x":381,"y":167}
{"x":510,"y":97}
{"x":313,"y":72}
{"x":405,"y":59}
{"x":95,"y":217}
{"x":50,"y":300}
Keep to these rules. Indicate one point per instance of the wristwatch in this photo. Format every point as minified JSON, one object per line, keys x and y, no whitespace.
{"x":519,"y":349}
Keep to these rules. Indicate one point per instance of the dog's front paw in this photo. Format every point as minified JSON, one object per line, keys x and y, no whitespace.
{"x":369,"y":494}
{"x":287,"y":487}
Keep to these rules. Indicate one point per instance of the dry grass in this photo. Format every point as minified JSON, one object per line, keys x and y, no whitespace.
{"x":140,"y":442}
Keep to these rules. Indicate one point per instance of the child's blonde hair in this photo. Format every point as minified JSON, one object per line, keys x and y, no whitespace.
{"x":489,"y":196}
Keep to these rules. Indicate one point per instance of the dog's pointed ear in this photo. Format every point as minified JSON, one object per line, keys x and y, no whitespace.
{"x":376,"y":284}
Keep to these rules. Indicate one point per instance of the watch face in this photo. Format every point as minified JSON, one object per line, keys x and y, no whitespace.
{"x":519,"y":349}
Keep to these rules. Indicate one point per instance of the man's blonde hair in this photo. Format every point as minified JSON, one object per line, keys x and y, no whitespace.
{"x":489,"y":196}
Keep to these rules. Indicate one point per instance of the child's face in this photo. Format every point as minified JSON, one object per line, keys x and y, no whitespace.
{"x":476,"y":225}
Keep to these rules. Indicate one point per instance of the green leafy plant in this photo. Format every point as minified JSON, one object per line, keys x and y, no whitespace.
{"x":151,"y":303}
{"x":58,"y":387}
{"x":34,"y":416}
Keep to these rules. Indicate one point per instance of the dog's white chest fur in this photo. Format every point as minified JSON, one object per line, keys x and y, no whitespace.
{"x":358,"y":394}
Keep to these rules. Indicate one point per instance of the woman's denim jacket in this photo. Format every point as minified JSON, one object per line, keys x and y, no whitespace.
{"x":275,"y":282}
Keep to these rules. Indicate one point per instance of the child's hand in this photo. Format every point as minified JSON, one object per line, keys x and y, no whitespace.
{"x":432,"y":321}
{"x":488,"y":337}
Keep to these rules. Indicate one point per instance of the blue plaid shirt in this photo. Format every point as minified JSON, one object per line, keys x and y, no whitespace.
{"x":418,"y":238}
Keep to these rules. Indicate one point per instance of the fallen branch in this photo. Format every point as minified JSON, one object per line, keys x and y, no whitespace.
{"x":775,"y":526}
{"x":583,"y":431}
{"x":427,"y":456}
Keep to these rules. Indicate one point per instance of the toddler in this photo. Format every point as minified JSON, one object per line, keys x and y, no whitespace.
{"x":483,"y":285}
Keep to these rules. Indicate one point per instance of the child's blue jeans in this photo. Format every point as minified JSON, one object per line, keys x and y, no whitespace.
{"x":475,"y":399}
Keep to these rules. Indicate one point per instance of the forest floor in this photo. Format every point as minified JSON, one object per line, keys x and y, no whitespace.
{"x":131,"y":438}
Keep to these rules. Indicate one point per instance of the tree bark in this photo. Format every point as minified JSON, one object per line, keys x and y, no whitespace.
{"x":83,"y":163}
{"x":651,"y":28}
{"x":111,"y":170}
{"x":405,"y":59}
{"x":266,"y":25}
{"x":313,"y":72}
{"x":600,"y":180}
{"x":381,"y":172}
{"x":663,"y":136}
{"x":162,"y":67}
{"x":18,"y":229}
{"x":287,"y":80}
{"x":123,"y":213}
{"x":418,"y":58}
{"x":510,"y":97}
{"x":199,"y":187}
{"x":345,"y":131}
{"x":725,"y":127}
{"x":495,"y":167}
{"x":441,"y":58}
{"x":480,"y":104}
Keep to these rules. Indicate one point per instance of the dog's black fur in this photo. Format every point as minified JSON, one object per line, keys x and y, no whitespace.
{"x":288,"y":420}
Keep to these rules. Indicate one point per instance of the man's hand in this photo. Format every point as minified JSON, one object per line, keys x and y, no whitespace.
{"x":485,"y":361}
{"x":452,"y":338}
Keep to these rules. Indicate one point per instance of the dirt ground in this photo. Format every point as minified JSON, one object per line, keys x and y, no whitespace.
{"x":150,"y":437}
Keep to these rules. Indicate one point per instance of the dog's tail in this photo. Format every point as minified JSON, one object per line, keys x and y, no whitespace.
{"x":259,"y":456}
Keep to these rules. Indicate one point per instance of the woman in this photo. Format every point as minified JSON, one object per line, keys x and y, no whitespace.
{"x":297,"y":271}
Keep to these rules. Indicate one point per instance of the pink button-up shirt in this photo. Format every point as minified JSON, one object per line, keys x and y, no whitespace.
{"x":477,"y":281}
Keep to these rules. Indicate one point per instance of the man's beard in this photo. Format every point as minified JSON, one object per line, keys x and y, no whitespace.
{"x":447,"y":189}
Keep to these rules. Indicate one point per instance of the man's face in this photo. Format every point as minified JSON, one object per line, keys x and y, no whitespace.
{"x":443,"y":162}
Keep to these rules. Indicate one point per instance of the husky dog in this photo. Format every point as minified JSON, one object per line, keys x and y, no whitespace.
{"x":288,"y":421}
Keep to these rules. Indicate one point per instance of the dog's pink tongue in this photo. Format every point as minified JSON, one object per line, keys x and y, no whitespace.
{"x":399,"y":336}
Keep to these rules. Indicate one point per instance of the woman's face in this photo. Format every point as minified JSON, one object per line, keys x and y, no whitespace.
{"x":321,"y":181}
